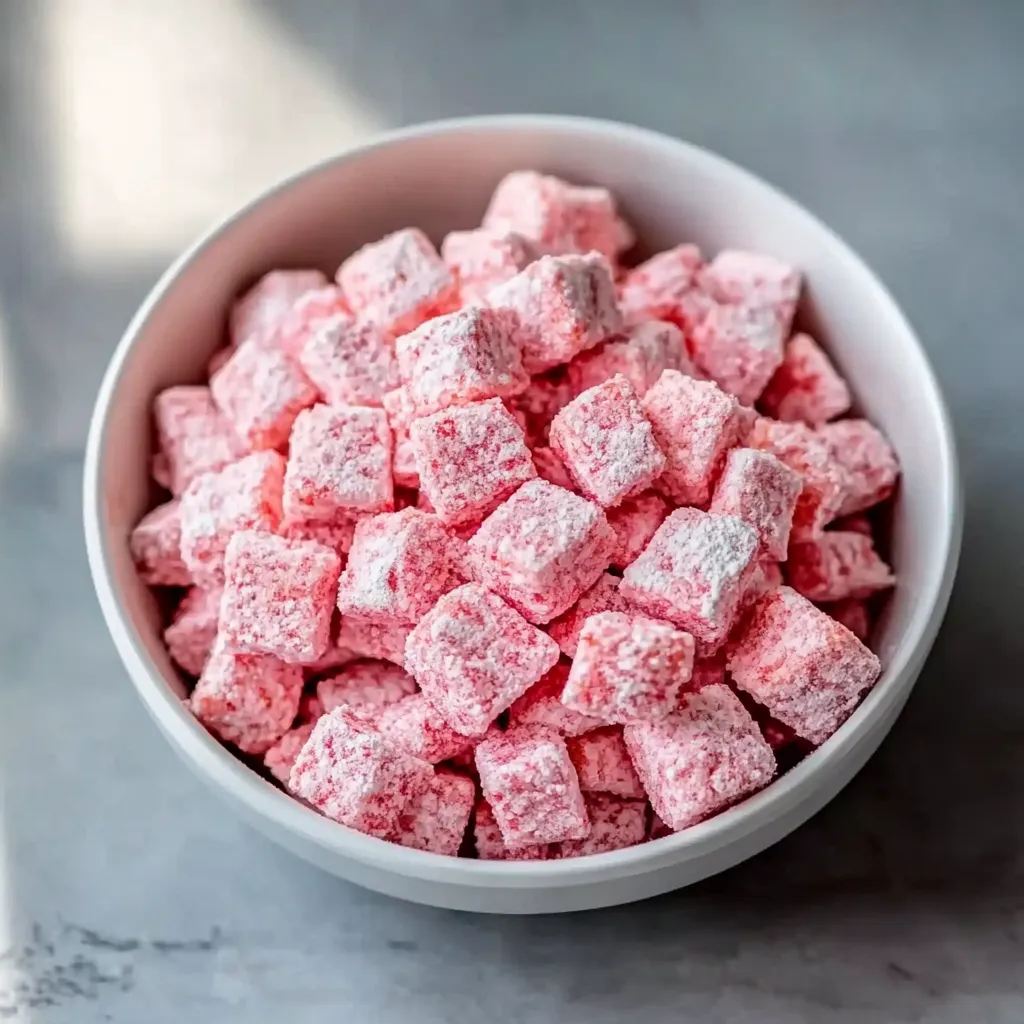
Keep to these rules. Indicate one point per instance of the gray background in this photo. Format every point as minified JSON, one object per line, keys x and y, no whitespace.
{"x":126,"y":893}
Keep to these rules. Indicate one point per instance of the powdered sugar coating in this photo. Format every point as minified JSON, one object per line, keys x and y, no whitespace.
{"x":806,"y":386}
{"x":367,"y":683}
{"x":280,"y":758}
{"x":260,"y":311}
{"x":663,"y":287}
{"x":634,"y":523}
{"x":470,"y":459}
{"x":868,"y":463}
{"x":483,"y":258}
{"x":398,"y":282}
{"x":698,"y":761}
{"x":349,"y":362}
{"x":602,"y":764}
{"x":193,"y":629}
{"x":542,"y":705}
{"x":603,"y":596}
{"x":306,"y":316}
{"x":695,"y":423}
{"x":278,"y":596}
{"x":437,"y":820}
{"x":528,"y":779}
{"x":803,"y":666}
{"x":414,"y":725}
{"x":753,"y":279}
{"x":835,"y":566}
{"x":563,"y":305}
{"x":606,"y":443}
{"x":352,"y":774}
{"x":541,"y":549}
{"x":490,"y":845}
{"x":339,"y":462}
{"x":155,"y":545}
{"x":614,"y":825}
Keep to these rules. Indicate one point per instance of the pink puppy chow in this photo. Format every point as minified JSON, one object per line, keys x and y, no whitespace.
{"x":603,"y":596}
{"x":372,"y":640}
{"x":280,"y":758}
{"x":339,"y":463}
{"x":470,"y":459}
{"x":628,"y":668}
{"x":193,"y":629}
{"x":803,"y":666}
{"x":564,"y":305}
{"x":278,"y":596}
{"x":698,"y":761}
{"x":739,"y":348}
{"x":694,"y":572}
{"x":193,"y":436}
{"x":483,"y":258}
{"x":463,"y":357}
{"x":602,"y":764}
{"x":259,"y":312}
{"x":542,"y":705}
{"x":695,"y":423}
{"x":245,"y":495}
{"x":557,"y":216}
{"x":761,"y":490}
{"x":414,"y":725}
{"x":835,"y":566}
{"x":869,"y":464}
{"x":490,"y":845}
{"x":436,"y":821}
{"x":248,"y":700}
{"x":607,"y":443}
{"x":529,"y":781}
{"x":542,"y":549}
{"x":398,"y":282}
{"x":156,"y":547}
{"x":367,"y":683}
{"x":350,"y":363}
{"x":352,"y":774}
{"x":665,"y":288}
{"x":614,"y":825}
{"x":473,"y":655}
{"x":306,"y":315}
{"x":806,"y":386}
{"x":635,"y":522}
{"x":399,"y":565}
{"x":753,"y":279}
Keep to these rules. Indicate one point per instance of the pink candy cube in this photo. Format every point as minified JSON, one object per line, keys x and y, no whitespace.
{"x":698,"y":761}
{"x":868,"y":463}
{"x":462,"y":357}
{"x":399,"y":565}
{"x":367,"y":683}
{"x":470,"y":459}
{"x":306,"y":316}
{"x":564,"y":305}
{"x":352,"y":774}
{"x":634,"y":523}
{"x":483,"y":258}
{"x":664,"y":288}
{"x":350,"y":363}
{"x":259,"y":313}
{"x":614,"y":825}
{"x":602,"y":764}
{"x":753,"y":279}
{"x":156,"y":547}
{"x":695,"y":423}
{"x":414,"y":725}
{"x":806,"y":386}
{"x":761,"y":490}
{"x":603,"y":596}
{"x":280,"y":758}
{"x":473,"y":655}
{"x":528,"y":779}
{"x":373,"y":640}
{"x":339,"y":463}
{"x":398,"y":282}
{"x":835,"y":566}
{"x":541,"y":549}
{"x":803,"y":666}
{"x":436,"y":821}
{"x":193,"y":629}
{"x":628,"y":668}
{"x":278,"y":596}
{"x":245,"y":495}
{"x":542,"y":705}
{"x":490,"y":845}
{"x":607,"y":443}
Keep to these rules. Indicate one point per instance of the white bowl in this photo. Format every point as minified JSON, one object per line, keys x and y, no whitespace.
{"x":439,"y":176}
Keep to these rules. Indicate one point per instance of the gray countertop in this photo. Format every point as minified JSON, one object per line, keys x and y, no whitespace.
{"x":126,"y":892}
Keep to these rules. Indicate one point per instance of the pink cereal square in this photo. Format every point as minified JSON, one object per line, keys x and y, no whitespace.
{"x":482,"y":258}
{"x":695,"y":424}
{"x":278,"y":596}
{"x":473,"y":655}
{"x":193,"y":436}
{"x":156,"y":547}
{"x":350,"y":363}
{"x":603,"y":765}
{"x":615,"y":824}
{"x":280,"y":758}
{"x":470,"y":458}
{"x":528,"y":779}
{"x":190,"y":636}
{"x":353,"y":775}
{"x":854,"y":614}
{"x":436,"y":821}
{"x":466,"y":356}
{"x":635,"y":522}
{"x":244,"y":495}
{"x":339,"y":463}
{"x":261,"y":391}
{"x":753,"y":279}
{"x":247,"y":700}
{"x":804,"y":667}
{"x":869,"y":465}
{"x":308,"y":312}
{"x":541,"y":549}
{"x":563,"y":305}
{"x":366,"y":683}
{"x":542,"y":705}
{"x":603,"y":596}
{"x":414,"y":725}
{"x":398,"y":282}
{"x":488,"y":841}
{"x":739,"y":348}
{"x":373,"y":640}
{"x":607,"y":443}
{"x":700,"y":760}
{"x":259,"y":312}
{"x":400,"y":563}
{"x":760,"y":489}
{"x":694,"y":572}
{"x":806,"y":386}
{"x":628,"y":668}
{"x":835,"y":566}
{"x":664,"y":287}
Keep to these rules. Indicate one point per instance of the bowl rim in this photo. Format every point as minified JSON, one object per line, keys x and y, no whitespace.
{"x":262,"y":799}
